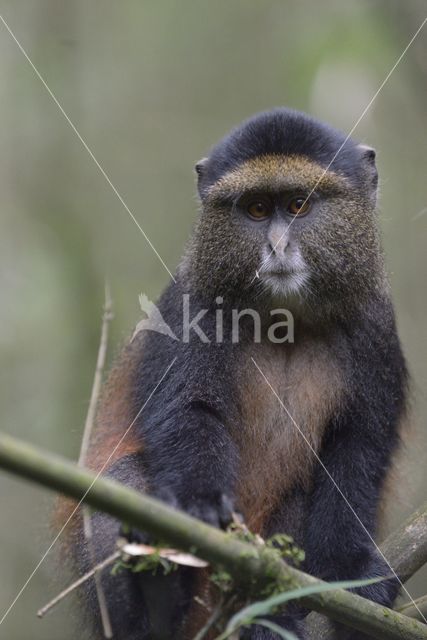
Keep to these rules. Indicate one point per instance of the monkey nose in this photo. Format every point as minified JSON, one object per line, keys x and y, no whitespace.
{"x":278,"y":247}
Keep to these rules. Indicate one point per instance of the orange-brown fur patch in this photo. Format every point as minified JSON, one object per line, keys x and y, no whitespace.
{"x":114,"y":415}
{"x":275,"y":456}
{"x":277,"y":172}
{"x":112,"y":420}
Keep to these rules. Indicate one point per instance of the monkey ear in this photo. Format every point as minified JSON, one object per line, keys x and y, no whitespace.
{"x":200,"y":169}
{"x":368,"y":155}
{"x":200,"y":166}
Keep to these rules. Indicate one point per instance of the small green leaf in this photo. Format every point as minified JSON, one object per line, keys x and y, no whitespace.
{"x":265,"y":607}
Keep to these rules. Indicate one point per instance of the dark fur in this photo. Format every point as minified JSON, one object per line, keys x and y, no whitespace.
{"x":285,"y":132}
{"x":189,"y":439}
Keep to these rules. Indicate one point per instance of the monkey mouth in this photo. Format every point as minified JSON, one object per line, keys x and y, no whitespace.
{"x":285,"y":282}
{"x":284,"y":277}
{"x":283,"y":272}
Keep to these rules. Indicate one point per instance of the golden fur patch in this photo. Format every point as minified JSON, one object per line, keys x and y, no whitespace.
{"x":275,"y":456}
{"x":276,"y":173}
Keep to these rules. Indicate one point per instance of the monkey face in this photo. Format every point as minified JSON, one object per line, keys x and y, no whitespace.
{"x":281,"y":227}
{"x":287,"y":212}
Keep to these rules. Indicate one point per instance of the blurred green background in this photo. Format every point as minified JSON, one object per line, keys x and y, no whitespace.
{"x":150,"y":86}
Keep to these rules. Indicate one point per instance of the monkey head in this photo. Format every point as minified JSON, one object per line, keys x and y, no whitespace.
{"x":287,"y":215}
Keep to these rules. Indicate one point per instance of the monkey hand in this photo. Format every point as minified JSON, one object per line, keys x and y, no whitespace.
{"x":132,"y":534}
{"x":214,"y":507}
{"x":216,"y":510}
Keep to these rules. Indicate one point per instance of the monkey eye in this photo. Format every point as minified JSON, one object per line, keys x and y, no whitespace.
{"x":259,"y":209}
{"x":299,"y":206}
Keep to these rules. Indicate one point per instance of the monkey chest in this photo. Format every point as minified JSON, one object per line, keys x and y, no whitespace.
{"x":287,"y":396}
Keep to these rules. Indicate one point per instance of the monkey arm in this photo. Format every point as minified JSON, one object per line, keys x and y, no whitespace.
{"x":357,"y":454}
{"x":342,"y":522}
{"x":339,"y":541}
{"x":188,"y":456}
{"x":190,"y":460}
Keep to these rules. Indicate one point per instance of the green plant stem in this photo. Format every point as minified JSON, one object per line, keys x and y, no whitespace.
{"x":414,"y":612}
{"x":250,"y":567}
{"x":406,"y":548}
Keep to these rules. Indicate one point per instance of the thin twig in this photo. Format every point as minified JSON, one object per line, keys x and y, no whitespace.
{"x":211,"y":621}
{"x":222,"y":610}
{"x":87,"y":433}
{"x":97,"y":380}
{"x":100,"y":594}
{"x":101,"y":565}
